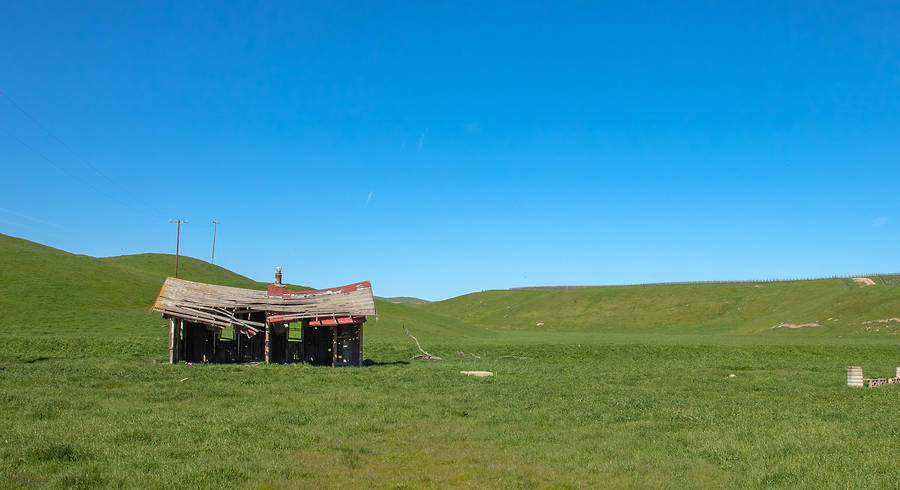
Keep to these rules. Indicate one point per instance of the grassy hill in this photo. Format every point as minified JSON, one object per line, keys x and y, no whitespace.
{"x":161,"y":266}
{"x":405,"y":300}
{"x":50,"y":291}
{"x":838,"y":306}
{"x":53,"y":291}
{"x":44,"y":290}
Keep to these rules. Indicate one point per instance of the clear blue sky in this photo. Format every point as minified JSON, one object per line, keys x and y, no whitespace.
{"x":443,"y":149}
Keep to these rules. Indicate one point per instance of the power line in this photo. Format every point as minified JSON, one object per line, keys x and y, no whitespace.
{"x":64,"y":170}
{"x":44,"y":157}
{"x":78,"y":156}
{"x":58,"y":139}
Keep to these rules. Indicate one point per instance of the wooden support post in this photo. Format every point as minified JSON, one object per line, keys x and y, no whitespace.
{"x":360,"y":344}
{"x":334,"y":347}
{"x":267,"y":342}
{"x":237,"y":344}
{"x":287,"y":341}
{"x":172,"y":341}
{"x":303,"y":328}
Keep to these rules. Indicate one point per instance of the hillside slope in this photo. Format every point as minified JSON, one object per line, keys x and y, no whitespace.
{"x":162,"y":266}
{"x":44,"y":290}
{"x":49,"y":291}
{"x":836,"y":305}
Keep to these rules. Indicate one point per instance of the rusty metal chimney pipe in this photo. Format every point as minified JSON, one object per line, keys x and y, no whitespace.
{"x":278,"y":275}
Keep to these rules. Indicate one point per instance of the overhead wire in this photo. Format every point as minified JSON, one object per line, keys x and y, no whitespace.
{"x":56,"y":138}
{"x":61,"y":168}
{"x":85,"y":161}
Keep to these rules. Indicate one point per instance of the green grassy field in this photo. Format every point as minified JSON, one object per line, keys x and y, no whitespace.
{"x":623,"y":387}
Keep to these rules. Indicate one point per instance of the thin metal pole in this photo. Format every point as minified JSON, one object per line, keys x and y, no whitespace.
{"x":212,"y":260}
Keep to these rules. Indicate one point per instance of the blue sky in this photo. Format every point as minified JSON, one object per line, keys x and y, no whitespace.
{"x":439,"y":149}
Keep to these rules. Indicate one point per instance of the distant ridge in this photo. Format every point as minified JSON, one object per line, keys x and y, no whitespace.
{"x":868,"y":304}
{"x":408,"y":300}
{"x":890,"y":278}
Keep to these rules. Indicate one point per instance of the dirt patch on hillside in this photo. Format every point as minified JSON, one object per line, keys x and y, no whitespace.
{"x":886,"y":320}
{"x":863,"y":281}
{"x":886,"y":325}
{"x":791,"y":325}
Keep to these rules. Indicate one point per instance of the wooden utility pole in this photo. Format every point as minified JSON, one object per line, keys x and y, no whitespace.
{"x":177,"y":241}
{"x":213,"y":259}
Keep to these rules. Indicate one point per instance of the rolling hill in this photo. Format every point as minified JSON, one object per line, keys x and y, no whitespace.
{"x":47,"y":290}
{"x":52,"y":291}
{"x":840,"y":306}
{"x":405,"y":300}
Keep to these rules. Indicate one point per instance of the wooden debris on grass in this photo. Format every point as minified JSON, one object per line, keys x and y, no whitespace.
{"x":424,"y":354}
{"x":463,"y":354}
{"x":477,"y":374}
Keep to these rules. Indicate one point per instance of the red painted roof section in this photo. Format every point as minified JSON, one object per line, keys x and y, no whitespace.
{"x":341,"y":320}
{"x":283,"y":292}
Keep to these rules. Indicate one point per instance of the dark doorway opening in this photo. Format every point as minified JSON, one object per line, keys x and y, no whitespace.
{"x":278,"y":338}
{"x":199,"y":342}
{"x":317,"y":344}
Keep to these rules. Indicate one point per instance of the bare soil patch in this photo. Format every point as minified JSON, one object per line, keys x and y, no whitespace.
{"x":886,"y":320}
{"x":863,"y":281}
{"x":791,"y":325}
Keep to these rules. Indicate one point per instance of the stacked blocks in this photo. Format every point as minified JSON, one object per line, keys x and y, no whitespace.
{"x":855,"y":378}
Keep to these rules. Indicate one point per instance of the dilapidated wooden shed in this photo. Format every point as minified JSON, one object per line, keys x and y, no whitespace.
{"x":210,"y":323}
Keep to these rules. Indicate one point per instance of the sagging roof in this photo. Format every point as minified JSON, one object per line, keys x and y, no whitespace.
{"x":224,"y":306}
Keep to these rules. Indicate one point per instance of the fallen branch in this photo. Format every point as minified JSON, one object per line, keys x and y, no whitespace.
{"x":513,"y":357}
{"x":424,"y":354}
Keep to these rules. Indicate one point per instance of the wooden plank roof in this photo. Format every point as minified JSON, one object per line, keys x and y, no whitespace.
{"x":225,"y":306}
